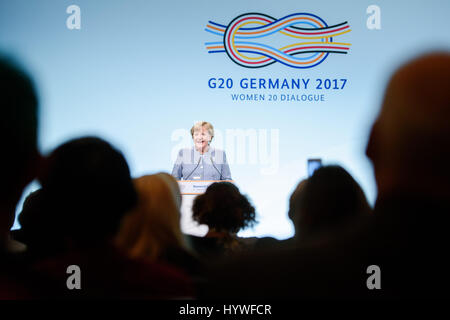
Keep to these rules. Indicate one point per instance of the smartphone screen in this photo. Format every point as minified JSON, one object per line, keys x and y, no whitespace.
{"x":313,"y":165}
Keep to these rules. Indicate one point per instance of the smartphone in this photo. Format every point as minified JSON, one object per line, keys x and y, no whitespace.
{"x":313,"y":165}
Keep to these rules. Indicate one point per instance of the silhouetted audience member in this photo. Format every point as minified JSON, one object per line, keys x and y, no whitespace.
{"x":226,"y":212}
{"x":409,"y":147}
{"x":402,"y":251}
{"x":38,"y":227}
{"x":86,"y":191}
{"x":152,"y":229}
{"x":270,"y":243}
{"x":18,"y":162}
{"x":329,"y":200}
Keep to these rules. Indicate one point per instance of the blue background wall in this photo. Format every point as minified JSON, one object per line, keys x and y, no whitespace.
{"x":137,"y":72}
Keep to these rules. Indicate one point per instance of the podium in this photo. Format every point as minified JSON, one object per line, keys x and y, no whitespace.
{"x":190,"y":189}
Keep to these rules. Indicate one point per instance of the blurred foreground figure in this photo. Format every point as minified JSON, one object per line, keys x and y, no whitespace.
{"x":405,"y":239}
{"x":86,"y":191}
{"x":409,"y":147}
{"x":152,"y":229}
{"x":18,"y":163}
{"x":328,"y":201}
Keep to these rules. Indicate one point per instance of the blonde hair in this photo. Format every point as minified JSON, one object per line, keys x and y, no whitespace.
{"x":200,"y":124}
{"x":154,"y":224}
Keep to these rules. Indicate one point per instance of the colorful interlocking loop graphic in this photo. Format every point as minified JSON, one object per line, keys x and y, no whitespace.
{"x":311,"y":36}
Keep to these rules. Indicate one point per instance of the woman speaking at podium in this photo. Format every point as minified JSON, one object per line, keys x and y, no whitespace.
{"x":201,"y":162}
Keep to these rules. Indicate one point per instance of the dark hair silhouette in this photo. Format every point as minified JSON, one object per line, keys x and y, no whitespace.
{"x":18,"y":166}
{"x":87,"y":188}
{"x":18,"y":134}
{"x":223,"y":208}
{"x":328,"y":199}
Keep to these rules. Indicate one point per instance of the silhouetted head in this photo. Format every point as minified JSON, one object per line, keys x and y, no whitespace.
{"x":38,"y":226}
{"x":223,"y":208}
{"x":154,"y":224}
{"x":18,"y":134}
{"x":88,"y":187}
{"x":409,"y":143}
{"x":294,"y":201}
{"x":329,"y":199}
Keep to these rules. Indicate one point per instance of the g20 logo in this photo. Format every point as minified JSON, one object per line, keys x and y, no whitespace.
{"x":311,"y":40}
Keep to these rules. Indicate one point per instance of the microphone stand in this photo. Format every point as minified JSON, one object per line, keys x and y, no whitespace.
{"x":214,"y":165}
{"x":194,"y":168}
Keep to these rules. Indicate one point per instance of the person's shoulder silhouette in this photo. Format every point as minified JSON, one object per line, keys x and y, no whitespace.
{"x":18,"y":134}
{"x":18,"y":163}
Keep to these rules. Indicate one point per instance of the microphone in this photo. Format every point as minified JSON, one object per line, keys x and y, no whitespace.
{"x":194,"y":168}
{"x":214,"y":165}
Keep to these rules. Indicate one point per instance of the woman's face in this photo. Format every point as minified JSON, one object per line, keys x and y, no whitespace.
{"x":201,"y":138}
